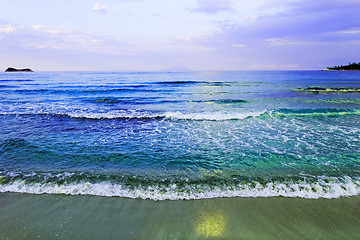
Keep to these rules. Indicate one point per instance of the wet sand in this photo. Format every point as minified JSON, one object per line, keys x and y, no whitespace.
{"x":26,"y":216}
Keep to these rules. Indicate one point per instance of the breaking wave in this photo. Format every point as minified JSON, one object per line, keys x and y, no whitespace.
{"x":322,"y":187}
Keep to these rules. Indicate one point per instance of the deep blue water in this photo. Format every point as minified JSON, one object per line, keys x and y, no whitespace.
{"x":181,"y":135}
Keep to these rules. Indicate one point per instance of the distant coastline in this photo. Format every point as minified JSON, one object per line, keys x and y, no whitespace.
{"x":350,"y":67}
{"x":10,"y":69}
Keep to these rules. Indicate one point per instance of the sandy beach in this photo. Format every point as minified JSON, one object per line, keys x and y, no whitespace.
{"x":26,"y":216}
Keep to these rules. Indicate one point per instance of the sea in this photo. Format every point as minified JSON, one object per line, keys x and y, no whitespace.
{"x":181,"y":135}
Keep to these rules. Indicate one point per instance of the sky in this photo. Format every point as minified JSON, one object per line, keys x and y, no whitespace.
{"x":163,"y":35}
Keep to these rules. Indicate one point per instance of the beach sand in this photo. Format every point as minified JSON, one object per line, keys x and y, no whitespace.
{"x":26,"y":216}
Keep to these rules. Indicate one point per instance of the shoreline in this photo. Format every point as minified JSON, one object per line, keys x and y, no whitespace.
{"x":27,"y":216}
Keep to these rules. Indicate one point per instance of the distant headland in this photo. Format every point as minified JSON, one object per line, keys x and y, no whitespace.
{"x":350,"y":67}
{"x":18,"y":70}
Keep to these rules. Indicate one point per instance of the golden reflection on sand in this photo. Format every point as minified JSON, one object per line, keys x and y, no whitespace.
{"x":211,"y":224}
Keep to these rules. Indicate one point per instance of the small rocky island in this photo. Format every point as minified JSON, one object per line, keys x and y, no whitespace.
{"x":350,"y":67}
{"x":10,"y":69}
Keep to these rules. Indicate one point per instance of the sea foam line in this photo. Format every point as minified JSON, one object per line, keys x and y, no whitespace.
{"x":213,"y":116}
{"x":206,"y":116}
{"x":178,"y":115}
{"x":314,"y":190}
{"x":197,"y":116}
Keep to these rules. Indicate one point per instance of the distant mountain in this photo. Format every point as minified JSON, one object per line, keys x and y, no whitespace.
{"x":350,"y":67}
{"x":18,"y":70}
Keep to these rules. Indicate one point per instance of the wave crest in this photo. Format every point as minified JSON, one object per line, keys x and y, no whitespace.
{"x":180,"y":115}
{"x":321,"y":188}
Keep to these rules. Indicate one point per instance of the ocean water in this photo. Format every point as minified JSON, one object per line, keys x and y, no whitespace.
{"x":178,"y":136}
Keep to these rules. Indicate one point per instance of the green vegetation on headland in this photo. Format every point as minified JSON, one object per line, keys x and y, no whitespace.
{"x":350,"y":67}
{"x":18,"y":70}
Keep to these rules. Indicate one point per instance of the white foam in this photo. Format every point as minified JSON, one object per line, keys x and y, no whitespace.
{"x":106,"y":113}
{"x":212,"y":116}
{"x":113,"y":115}
{"x":320,"y":189}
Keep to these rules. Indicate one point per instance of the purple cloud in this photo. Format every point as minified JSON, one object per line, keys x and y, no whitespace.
{"x":309,"y":34}
{"x":64,"y":47}
{"x":213,"y":6}
{"x":100,"y":8}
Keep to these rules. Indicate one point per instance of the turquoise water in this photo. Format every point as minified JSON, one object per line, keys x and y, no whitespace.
{"x":181,"y":135}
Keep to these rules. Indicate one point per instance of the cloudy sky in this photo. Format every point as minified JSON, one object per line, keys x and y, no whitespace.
{"x":155,"y":35}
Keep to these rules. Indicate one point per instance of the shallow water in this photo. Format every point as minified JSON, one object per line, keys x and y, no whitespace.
{"x":181,"y":135}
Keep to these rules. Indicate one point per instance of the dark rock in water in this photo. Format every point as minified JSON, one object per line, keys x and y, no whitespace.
{"x":18,"y":70}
